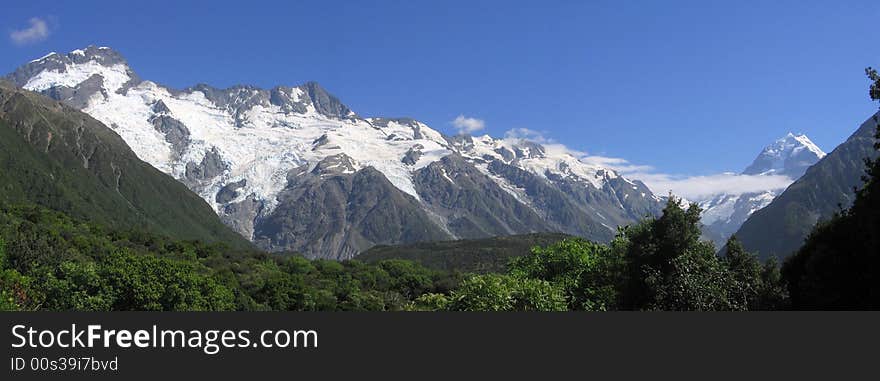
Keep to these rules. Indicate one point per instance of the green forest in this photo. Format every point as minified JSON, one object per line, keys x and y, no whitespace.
{"x":51,"y":261}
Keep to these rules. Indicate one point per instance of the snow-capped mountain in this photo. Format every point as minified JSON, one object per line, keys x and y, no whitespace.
{"x":789,"y":156}
{"x":293,"y":168}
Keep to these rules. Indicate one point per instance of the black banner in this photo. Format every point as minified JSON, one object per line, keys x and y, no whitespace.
{"x":328,"y":345}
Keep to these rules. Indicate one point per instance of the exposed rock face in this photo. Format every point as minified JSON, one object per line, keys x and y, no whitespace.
{"x":211,"y":166}
{"x":334,"y":210}
{"x":79,"y":95}
{"x":413,"y":155}
{"x":229,"y":192}
{"x":242,"y":215}
{"x":175,"y":131}
{"x":325,"y":103}
{"x":471,"y":204}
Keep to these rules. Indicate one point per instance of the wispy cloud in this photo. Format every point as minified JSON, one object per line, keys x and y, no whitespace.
{"x":690,"y":187}
{"x":466,"y":125}
{"x":693,"y":188}
{"x":696,"y":188}
{"x":551,"y":145}
{"x":617,"y":164}
{"x":36,"y":32}
{"x":527,"y":134}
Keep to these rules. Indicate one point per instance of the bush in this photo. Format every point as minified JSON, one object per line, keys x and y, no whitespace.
{"x":494,"y":292}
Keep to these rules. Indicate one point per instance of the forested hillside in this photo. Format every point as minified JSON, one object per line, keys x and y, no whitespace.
{"x":52,"y":262}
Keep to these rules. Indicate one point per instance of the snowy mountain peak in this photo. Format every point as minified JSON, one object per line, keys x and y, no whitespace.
{"x":102,"y":55}
{"x":78,"y":76}
{"x":789,"y":155}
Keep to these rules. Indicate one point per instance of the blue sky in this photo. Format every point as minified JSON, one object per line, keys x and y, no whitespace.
{"x":686,"y":87}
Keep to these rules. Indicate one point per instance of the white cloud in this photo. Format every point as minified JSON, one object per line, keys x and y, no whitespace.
{"x":694,"y":188}
{"x":466,"y":125}
{"x":552,"y":146}
{"x":527,"y":134}
{"x":620,"y":165}
{"x":38,"y":31}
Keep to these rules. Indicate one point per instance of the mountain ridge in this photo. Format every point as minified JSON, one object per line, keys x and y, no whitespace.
{"x":242,"y":148}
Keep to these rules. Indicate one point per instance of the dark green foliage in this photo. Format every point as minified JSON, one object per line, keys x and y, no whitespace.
{"x":50,"y":261}
{"x":668,"y":267}
{"x":874,"y":88}
{"x":485,"y":255}
{"x":839,"y":266}
{"x":755,"y":286}
{"x":12,"y":284}
{"x":586,"y":272}
{"x":659,"y":264}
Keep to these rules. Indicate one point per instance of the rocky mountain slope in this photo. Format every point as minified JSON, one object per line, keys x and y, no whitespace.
{"x":789,"y":156}
{"x":293,"y":168}
{"x":61,"y":158}
{"x":781,"y":227}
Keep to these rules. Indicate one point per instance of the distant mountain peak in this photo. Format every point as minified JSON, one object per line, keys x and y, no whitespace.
{"x":804,"y":141}
{"x":103,"y":54}
{"x":76,"y":76}
{"x":99,"y":54}
{"x":781,"y":227}
{"x":789,"y":155}
{"x":325,"y":102}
